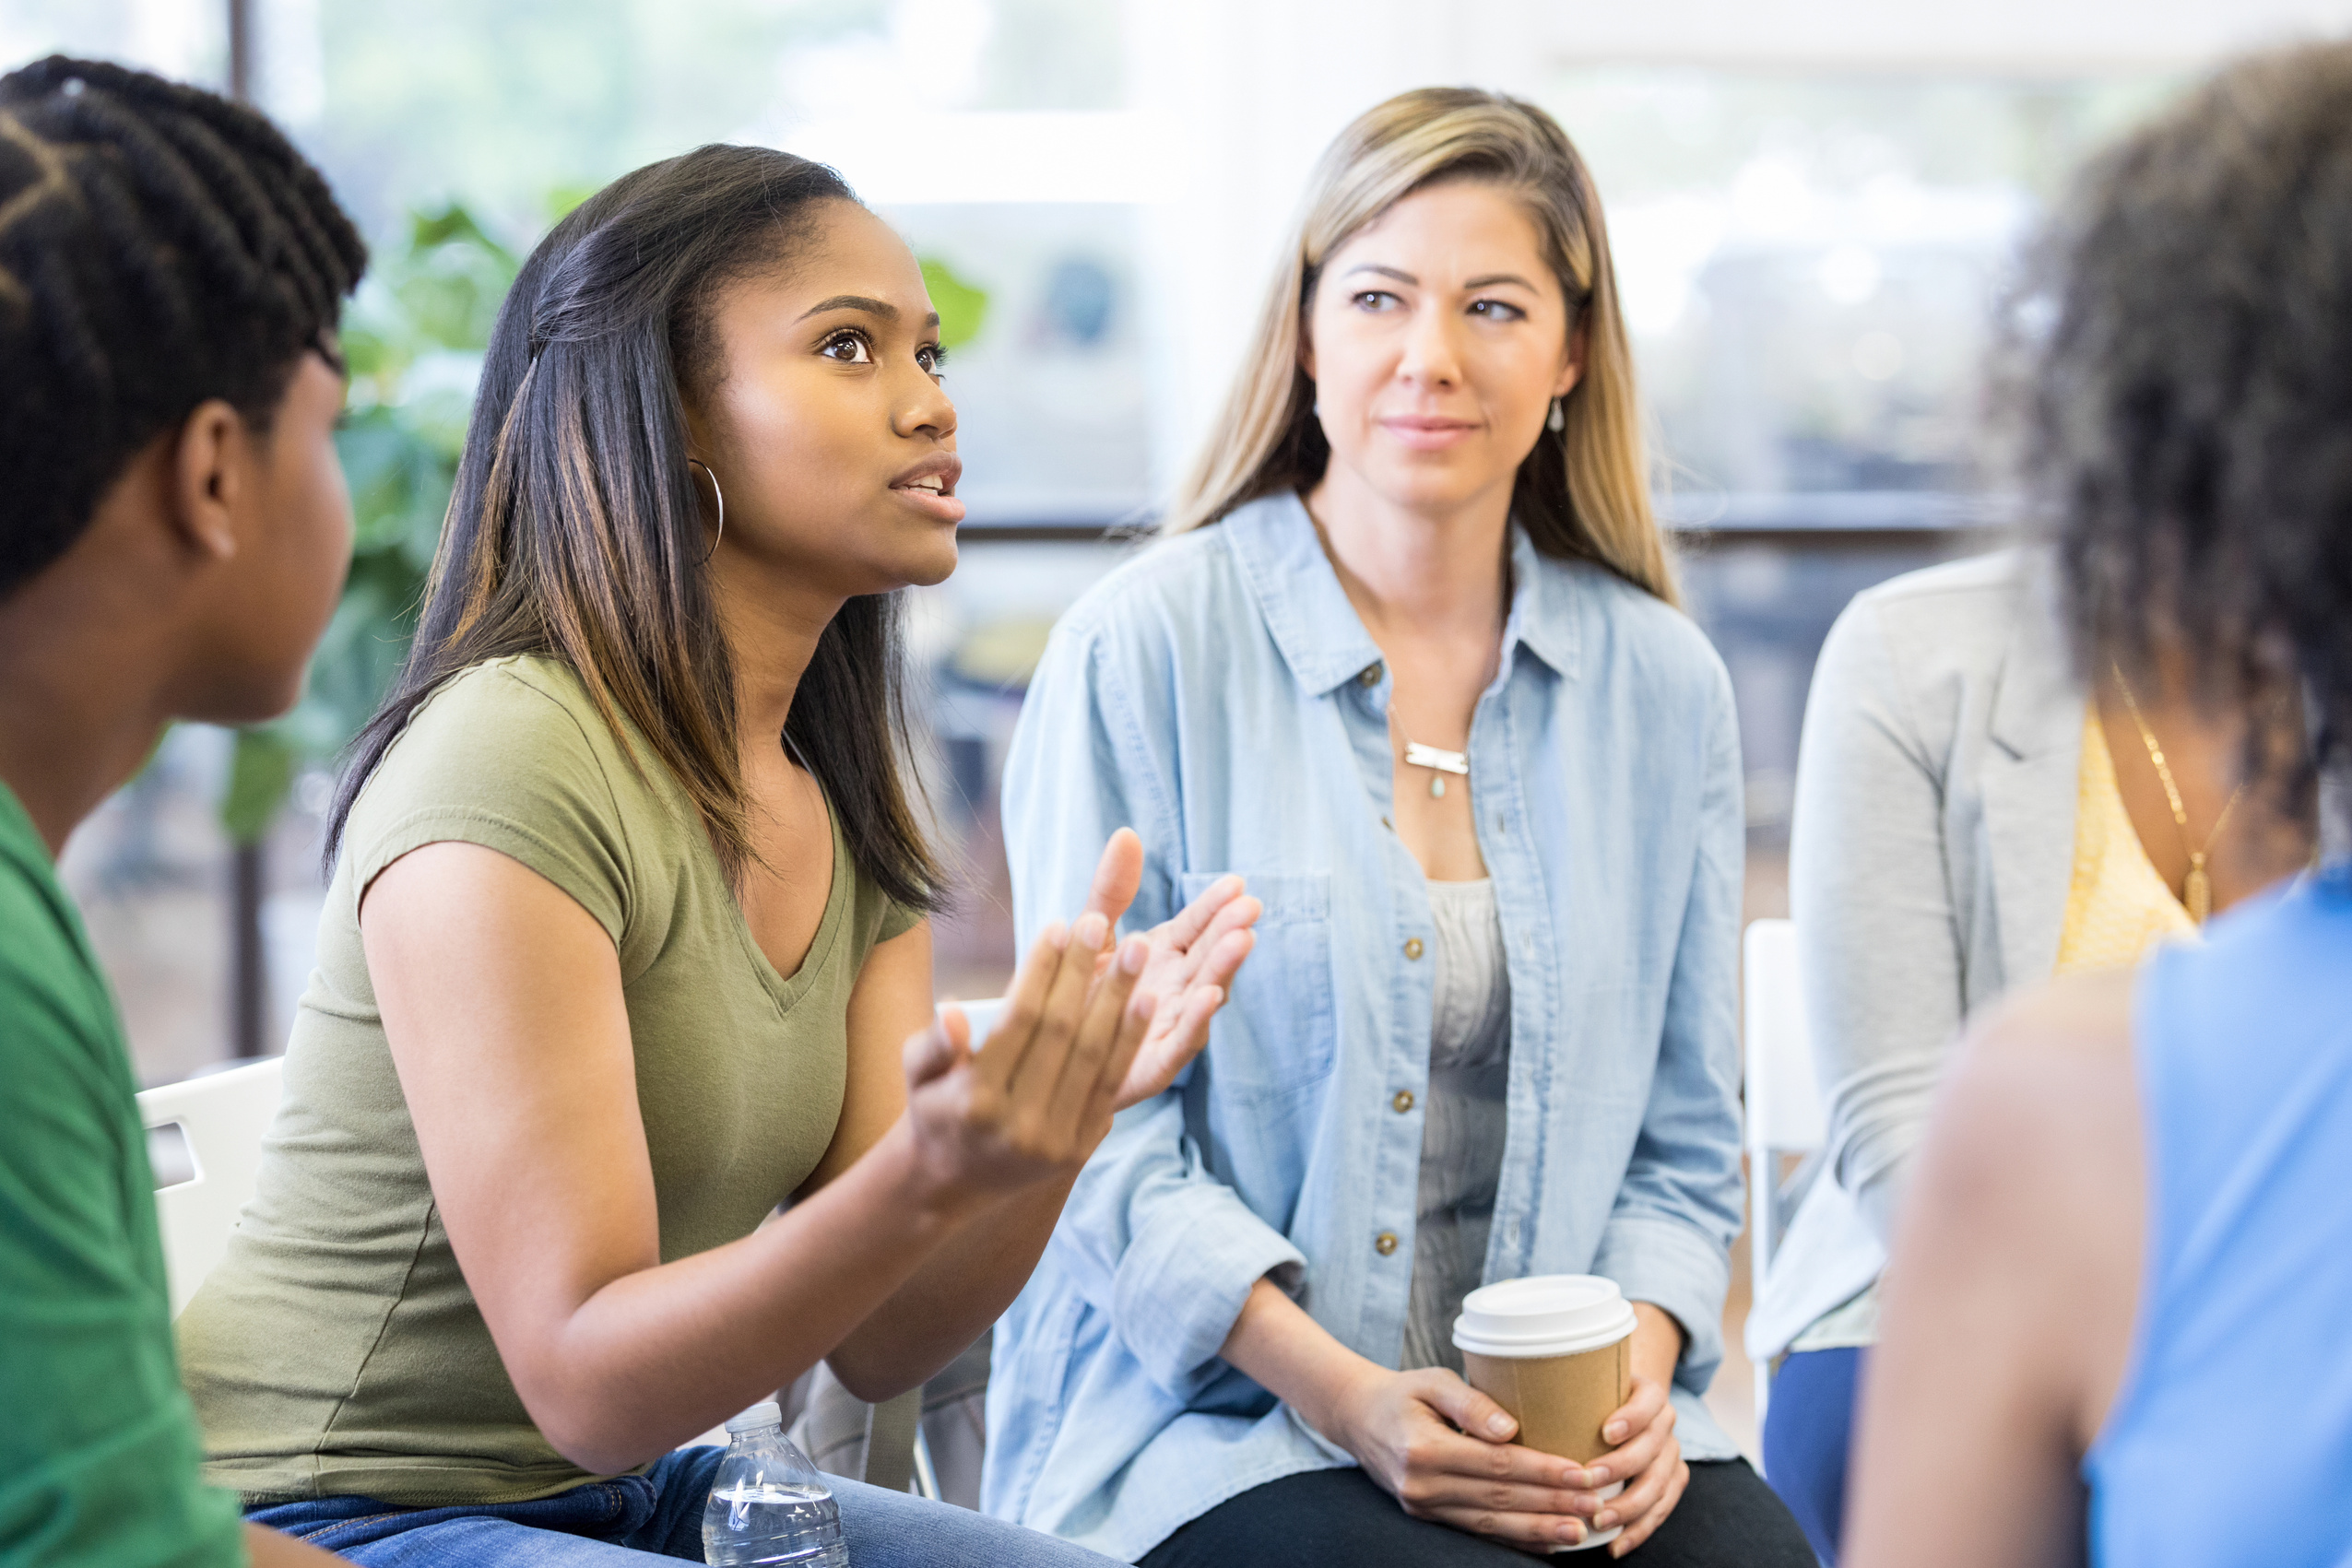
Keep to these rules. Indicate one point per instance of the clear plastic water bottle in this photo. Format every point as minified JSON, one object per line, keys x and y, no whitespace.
{"x":771,"y":1504}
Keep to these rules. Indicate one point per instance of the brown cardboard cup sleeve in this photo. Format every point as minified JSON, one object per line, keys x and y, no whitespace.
{"x":1556,"y":1352}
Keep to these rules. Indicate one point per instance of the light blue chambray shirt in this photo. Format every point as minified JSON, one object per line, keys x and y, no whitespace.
{"x":1220,"y":696}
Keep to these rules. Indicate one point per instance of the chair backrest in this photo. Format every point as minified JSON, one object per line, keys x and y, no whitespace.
{"x":1784,"y":1103}
{"x":223,"y":1116}
{"x":1784,"y":1109}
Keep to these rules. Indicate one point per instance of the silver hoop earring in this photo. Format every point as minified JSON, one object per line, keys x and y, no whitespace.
{"x":1555,"y":421}
{"x":718,"y":495}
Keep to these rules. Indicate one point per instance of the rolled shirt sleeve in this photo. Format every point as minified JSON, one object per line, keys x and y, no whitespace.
{"x":1668,"y":1240}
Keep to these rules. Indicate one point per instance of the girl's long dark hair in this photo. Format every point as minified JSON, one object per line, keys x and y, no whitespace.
{"x":576,"y":528}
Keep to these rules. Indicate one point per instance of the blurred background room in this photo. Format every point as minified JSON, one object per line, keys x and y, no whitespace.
{"x":1814,"y":207}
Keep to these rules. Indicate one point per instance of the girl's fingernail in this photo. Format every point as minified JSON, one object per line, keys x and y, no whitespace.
{"x":1132,"y":956}
{"x":1616,"y":1433}
{"x":1597,"y":1477}
{"x":1499,"y":1424}
{"x":1602,"y":1520}
{"x":1572,"y":1532}
{"x":1091,"y":930}
{"x":1057,"y":935}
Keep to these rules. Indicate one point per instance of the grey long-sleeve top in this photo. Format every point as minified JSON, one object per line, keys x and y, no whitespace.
{"x":1929,"y":862}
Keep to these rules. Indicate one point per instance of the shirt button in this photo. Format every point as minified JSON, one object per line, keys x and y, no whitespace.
{"x":1384,"y":1243}
{"x":1402,"y":1102}
{"x":1413,"y":946}
{"x":1369,"y":674}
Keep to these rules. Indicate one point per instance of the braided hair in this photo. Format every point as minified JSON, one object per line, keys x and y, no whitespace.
{"x":160,"y":246}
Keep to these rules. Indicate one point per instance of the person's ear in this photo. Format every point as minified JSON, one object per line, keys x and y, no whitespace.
{"x":1571,"y":368}
{"x":212,"y":469}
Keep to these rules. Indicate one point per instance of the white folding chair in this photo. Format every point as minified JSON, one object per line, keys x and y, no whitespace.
{"x":981,"y":1016}
{"x":1784,"y":1103}
{"x":223,"y":1116}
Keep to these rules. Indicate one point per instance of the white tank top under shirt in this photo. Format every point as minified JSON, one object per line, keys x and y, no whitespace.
{"x":1464,"y":1116}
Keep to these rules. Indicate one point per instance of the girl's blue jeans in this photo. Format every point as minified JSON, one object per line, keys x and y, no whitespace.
{"x":632,"y":1520}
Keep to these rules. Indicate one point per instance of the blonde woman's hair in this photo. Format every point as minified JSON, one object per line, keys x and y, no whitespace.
{"x":1584,"y":491}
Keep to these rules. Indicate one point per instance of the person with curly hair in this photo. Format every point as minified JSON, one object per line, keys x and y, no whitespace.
{"x":2125,"y":1257}
{"x":174,"y":535}
{"x":1972,"y":817}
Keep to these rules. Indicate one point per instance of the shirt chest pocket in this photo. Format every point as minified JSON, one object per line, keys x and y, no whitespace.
{"x":1279,"y":1031}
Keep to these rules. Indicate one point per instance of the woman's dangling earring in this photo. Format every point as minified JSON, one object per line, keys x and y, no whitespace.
{"x":718,"y":495}
{"x":1555,"y":422}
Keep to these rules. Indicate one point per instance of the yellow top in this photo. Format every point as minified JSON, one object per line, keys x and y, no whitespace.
{"x":2117,"y":906}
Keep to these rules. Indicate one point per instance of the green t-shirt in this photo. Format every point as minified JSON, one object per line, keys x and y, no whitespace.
{"x":336,"y":1350}
{"x":97,"y":1447}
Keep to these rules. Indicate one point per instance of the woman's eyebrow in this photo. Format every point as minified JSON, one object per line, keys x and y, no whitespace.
{"x":1487,"y":281}
{"x":872,"y":307}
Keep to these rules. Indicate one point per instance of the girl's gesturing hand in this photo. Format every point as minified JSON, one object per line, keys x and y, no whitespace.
{"x":1091,"y":1026}
{"x":1193,"y":957}
{"x":1036,"y":1097}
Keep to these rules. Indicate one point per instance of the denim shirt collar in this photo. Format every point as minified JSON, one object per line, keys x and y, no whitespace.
{"x":1323,"y":638}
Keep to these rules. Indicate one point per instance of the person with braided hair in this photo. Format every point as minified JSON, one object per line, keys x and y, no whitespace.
{"x":174,"y":536}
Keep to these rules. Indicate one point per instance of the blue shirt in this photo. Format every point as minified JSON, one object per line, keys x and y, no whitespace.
{"x":2243,"y":1332}
{"x":1220,"y":696}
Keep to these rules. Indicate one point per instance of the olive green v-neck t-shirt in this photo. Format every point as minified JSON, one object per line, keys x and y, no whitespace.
{"x":336,"y":1350}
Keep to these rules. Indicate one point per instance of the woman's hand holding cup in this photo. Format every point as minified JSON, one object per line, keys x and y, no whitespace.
{"x":1443,"y":1450}
{"x":1649,"y":1460}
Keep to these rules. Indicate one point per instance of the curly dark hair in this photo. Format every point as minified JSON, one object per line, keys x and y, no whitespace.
{"x":2183,"y":354}
{"x":160,"y":246}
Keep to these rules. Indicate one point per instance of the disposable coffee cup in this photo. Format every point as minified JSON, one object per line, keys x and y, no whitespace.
{"x":1556,"y":1352}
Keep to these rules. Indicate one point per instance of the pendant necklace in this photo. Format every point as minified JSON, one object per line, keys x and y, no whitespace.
{"x":1439,"y":761}
{"x":2196,"y":888}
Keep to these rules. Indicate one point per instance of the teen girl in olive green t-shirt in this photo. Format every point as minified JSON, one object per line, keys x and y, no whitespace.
{"x":627,"y":943}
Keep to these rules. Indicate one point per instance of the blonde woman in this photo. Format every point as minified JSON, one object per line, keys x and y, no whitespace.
{"x":1410,"y":662}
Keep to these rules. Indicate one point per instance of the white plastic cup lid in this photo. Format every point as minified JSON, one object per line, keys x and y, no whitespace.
{"x":767,"y":1412}
{"x":1544,"y":1315}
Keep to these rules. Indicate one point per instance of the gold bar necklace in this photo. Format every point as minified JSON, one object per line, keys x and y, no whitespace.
{"x":2196,"y":888}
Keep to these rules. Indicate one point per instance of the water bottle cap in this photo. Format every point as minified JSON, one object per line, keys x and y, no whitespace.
{"x":766,"y":1413}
